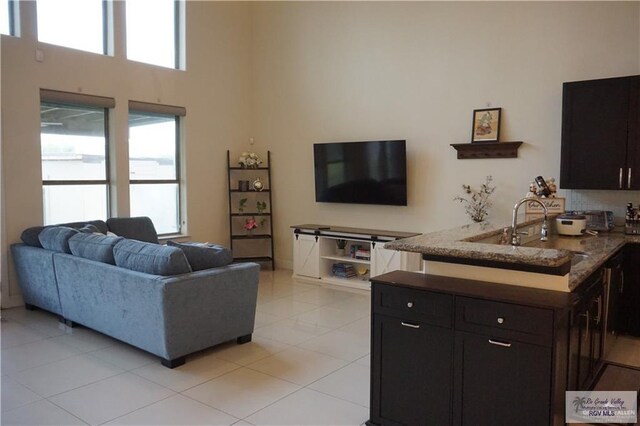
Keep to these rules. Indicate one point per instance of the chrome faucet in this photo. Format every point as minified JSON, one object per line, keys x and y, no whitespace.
{"x":515,"y":235}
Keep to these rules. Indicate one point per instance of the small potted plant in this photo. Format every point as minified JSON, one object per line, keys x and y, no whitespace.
{"x":261,"y":206}
{"x":477,"y":203}
{"x":250,"y":225}
{"x":249,"y":160}
{"x":242,"y":204}
{"x":341,"y":245}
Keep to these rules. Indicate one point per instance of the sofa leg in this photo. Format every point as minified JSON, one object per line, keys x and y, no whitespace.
{"x":173,"y":363}
{"x":67,"y":322}
{"x":244,"y":339}
{"x":30,"y":307}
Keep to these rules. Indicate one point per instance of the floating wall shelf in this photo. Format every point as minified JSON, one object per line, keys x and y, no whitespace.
{"x":487,"y":149}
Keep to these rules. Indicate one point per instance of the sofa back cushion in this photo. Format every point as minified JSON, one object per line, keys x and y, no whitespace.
{"x":204,"y":256}
{"x":94,"y":247}
{"x":135,"y":228}
{"x":150,"y":258}
{"x":30,"y":235}
{"x":56,"y":238}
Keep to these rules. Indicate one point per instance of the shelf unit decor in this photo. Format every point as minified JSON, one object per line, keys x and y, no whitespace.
{"x":487,"y":149}
{"x":247,"y":202}
{"x":318,"y":258}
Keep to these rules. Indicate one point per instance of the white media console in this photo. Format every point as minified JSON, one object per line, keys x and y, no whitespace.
{"x":316,"y":254}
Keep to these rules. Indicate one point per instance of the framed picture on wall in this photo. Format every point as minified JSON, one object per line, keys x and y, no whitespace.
{"x":486,"y":125}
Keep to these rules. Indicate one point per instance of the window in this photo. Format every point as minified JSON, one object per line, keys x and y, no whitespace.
{"x":7,"y":17}
{"x":78,"y":24}
{"x":154,"y":166}
{"x":153,"y":31}
{"x":75,"y":166}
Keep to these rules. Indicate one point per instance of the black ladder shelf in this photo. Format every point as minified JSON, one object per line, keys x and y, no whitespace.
{"x":234,"y":175}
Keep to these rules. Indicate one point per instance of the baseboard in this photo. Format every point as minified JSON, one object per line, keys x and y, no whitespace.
{"x":284,"y":264}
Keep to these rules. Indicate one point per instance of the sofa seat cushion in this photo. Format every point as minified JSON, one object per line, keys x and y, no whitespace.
{"x":150,"y":258}
{"x":30,"y":235}
{"x":96,"y":247}
{"x":56,"y":238}
{"x":203,"y":255}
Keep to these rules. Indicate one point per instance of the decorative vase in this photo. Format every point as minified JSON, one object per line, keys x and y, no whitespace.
{"x":340,"y":252}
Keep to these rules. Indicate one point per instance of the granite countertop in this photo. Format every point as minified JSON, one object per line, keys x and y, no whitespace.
{"x":467,"y":242}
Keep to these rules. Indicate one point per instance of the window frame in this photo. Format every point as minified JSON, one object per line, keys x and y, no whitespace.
{"x":106,"y":22}
{"x":11,"y":17}
{"x":165,"y":111}
{"x":179,"y":29}
{"x":66,"y":99}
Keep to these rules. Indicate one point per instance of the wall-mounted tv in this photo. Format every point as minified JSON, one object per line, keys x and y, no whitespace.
{"x":373,"y":172}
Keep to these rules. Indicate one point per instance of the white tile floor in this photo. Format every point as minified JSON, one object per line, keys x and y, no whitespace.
{"x":308,"y":364}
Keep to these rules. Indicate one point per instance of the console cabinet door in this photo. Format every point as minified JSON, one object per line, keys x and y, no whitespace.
{"x":306,"y":255}
{"x":384,"y":260}
{"x":411,"y":373}
{"x":500,"y":382}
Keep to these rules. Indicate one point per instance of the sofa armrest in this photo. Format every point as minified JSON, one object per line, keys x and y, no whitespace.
{"x":208,"y":307}
{"x":36,"y":277}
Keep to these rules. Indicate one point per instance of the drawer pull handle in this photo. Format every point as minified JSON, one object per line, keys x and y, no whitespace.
{"x":505,"y":345}
{"x":408,"y":324}
{"x":500,"y":320}
{"x":409,"y":304}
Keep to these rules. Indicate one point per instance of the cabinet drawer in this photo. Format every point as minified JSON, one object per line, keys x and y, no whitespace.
{"x":505,"y":320}
{"x":405,"y":303}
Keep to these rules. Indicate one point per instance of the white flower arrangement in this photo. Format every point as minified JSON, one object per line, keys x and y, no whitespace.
{"x":478,"y":204}
{"x":250,"y":160}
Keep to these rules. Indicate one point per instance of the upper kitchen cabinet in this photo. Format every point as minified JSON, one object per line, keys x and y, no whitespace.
{"x":601,"y":134}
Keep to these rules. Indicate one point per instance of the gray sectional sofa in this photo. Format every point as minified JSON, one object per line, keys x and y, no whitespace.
{"x":136,"y":291}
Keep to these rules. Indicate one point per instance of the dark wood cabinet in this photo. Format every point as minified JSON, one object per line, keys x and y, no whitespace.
{"x":501,"y":381}
{"x":601,"y":132}
{"x":411,"y":381}
{"x":614,"y":277}
{"x":414,"y":384}
{"x":587,"y":334}
{"x":449,"y":351}
{"x":628,"y":313}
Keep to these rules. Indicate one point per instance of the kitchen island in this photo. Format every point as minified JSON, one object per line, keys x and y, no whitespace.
{"x":476,"y":254}
{"x":456,"y":345}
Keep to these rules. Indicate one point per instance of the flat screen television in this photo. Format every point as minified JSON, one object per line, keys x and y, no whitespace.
{"x":373,"y":172}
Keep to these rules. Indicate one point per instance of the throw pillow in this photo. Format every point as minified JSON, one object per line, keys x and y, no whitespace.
{"x":30,"y":236}
{"x":89,"y":229}
{"x":150,"y":258}
{"x":56,"y":238}
{"x":96,"y":247}
{"x":204,"y":256}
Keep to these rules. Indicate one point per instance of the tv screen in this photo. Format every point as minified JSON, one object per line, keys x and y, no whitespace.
{"x":372,"y":172}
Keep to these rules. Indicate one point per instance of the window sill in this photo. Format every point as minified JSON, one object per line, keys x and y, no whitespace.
{"x":175,"y":237}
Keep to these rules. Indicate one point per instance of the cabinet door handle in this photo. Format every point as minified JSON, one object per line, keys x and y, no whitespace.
{"x":620,"y":179}
{"x":408,"y":324}
{"x":599,"y":302}
{"x":621,"y":281}
{"x":504,"y":345}
{"x":629,"y":179}
{"x":586,"y":333}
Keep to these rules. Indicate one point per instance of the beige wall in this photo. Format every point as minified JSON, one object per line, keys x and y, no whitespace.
{"x":294,"y":73}
{"x":348,"y":71}
{"x":214,"y":89}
